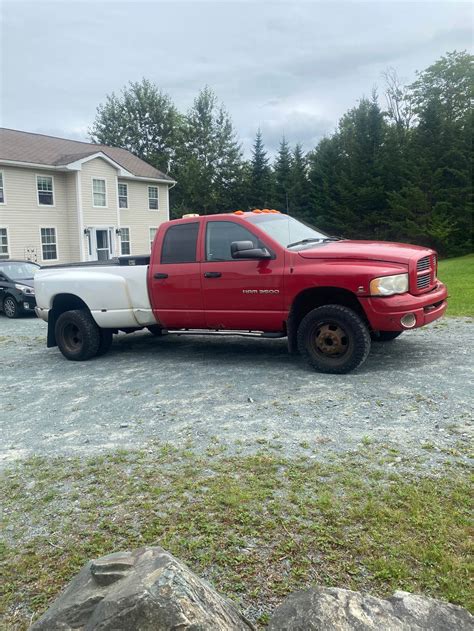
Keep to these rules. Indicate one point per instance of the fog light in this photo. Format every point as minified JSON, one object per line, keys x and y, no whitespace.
{"x":26,"y":305}
{"x":408,"y":320}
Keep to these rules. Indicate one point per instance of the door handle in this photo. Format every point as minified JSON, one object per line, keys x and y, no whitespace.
{"x":212,"y":274}
{"x":160,"y":276}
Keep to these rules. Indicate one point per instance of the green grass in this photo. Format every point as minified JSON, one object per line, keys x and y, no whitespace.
{"x":259,"y":527}
{"x":458,"y":275}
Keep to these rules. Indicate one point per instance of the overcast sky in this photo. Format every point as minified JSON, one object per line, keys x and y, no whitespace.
{"x":288,"y":67}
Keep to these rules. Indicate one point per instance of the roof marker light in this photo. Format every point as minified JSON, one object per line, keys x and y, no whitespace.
{"x":239,"y":212}
{"x":258,"y":211}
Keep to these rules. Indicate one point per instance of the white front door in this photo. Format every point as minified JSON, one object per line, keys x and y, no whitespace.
{"x":101,"y":244}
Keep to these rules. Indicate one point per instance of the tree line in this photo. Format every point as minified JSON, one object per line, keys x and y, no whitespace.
{"x":401,"y":170}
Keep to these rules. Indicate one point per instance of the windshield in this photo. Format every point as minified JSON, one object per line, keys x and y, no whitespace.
{"x":19,"y":271}
{"x":287,"y":230}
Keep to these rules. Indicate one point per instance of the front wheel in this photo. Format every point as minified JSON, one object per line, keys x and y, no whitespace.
{"x":334,"y":339}
{"x":10,"y":307}
{"x":77,"y":335}
{"x":384,"y":336}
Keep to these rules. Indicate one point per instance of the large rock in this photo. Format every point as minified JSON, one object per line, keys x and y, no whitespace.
{"x":331,"y":609}
{"x":144,"y":590}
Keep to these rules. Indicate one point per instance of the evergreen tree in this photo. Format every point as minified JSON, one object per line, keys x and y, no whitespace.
{"x":434,"y":205}
{"x":209,"y":160}
{"x":260,"y":181}
{"x":282,"y":177}
{"x":299,"y":193}
{"x":363,"y":203}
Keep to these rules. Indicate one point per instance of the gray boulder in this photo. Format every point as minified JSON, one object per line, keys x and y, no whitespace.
{"x":144,"y":590}
{"x":332,"y":609}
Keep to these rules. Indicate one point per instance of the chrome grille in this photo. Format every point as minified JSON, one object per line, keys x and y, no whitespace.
{"x":423,"y":264}
{"x":423,"y":281}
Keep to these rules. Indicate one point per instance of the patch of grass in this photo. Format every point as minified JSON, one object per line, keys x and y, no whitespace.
{"x":258,"y":526}
{"x":457,"y":274}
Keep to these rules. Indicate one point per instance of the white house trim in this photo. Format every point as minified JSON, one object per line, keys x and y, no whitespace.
{"x":65,"y":168}
{"x":53,"y":205}
{"x":77,"y":164}
{"x":3,"y":186}
{"x":8,"y":242}
{"x":55,"y":228}
{"x":129,"y":240}
{"x":80,"y":217}
{"x":103,"y":179}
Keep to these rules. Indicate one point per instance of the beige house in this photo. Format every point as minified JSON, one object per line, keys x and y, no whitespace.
{"x":63,"y":201}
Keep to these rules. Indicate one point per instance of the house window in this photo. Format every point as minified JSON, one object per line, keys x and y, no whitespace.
{"x":2,"y":190}
{"x":123,"y":195}
{"x":99,"y":193}
{"x":153,"y":232}
{"x":153,"y":198}
{"x":44,"y":184}
{"x":124,"y":241}
{"x":3,"y":243}
{"x":49,"y":247}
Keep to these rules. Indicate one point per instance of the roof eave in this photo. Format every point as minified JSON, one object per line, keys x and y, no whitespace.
{"x":77,"y":166}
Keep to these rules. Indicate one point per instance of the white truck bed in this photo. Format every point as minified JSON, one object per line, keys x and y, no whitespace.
{"x":117,"y":295}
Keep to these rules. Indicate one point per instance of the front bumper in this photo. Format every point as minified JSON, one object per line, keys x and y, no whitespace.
{"x":384,"y":314}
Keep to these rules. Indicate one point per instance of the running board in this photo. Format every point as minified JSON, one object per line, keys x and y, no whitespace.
{"x":224,"y":333}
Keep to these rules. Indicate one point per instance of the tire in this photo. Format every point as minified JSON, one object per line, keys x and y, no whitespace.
{"x":333,"y":339}
{"x":10,"y":307}
{"x":384,"y":336}
{"x":106,"y":338}
{"x":155,"y":330}
{"x":77,"y":335}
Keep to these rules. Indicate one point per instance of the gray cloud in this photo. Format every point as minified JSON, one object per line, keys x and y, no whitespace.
{"x":289,"y":68}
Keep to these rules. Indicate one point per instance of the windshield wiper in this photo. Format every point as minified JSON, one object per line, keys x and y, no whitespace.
{"x":303,"y":241}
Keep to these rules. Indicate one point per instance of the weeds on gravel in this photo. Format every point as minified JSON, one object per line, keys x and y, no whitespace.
{"x":258,"y":527}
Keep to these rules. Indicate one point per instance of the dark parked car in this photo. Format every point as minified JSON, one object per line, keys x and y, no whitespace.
{"x":17,"y":293}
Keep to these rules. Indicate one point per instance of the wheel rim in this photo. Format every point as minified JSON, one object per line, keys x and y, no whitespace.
{"x":72,"y":338}
{"x":330,"y":340}
{"x":9,"y":307}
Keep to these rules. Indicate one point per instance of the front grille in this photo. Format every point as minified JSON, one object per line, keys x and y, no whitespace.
{"x":423,"y":264}
{"x":425,"y":276}
{"x":423,"y":281}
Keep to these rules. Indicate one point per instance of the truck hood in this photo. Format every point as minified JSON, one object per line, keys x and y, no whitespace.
{"x":366,"y":250}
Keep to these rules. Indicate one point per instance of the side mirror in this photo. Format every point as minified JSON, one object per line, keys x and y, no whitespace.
{"x":247,"y":250}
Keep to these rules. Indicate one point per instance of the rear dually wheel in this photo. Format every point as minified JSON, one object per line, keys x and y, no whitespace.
{"x":77,"y":335}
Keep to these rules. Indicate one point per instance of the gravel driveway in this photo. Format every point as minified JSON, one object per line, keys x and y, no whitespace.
{"x":415,"y":393}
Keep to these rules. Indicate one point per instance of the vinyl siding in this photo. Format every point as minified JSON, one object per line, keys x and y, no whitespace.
{"x":138,"y":217}
{"x":100,"y":217}
{"x":24,"y":217}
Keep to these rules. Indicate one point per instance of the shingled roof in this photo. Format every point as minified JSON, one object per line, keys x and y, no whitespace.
{"x":22,"y":146}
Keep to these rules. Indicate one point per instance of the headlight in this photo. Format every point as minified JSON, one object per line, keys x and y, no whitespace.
{"x":389,"y":285}
{"x":25,"y":289}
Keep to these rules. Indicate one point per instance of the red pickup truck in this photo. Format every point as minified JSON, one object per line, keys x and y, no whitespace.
{"x":258,"y":272}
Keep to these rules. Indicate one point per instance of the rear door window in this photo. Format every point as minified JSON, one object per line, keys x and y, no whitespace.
{"x":180,"y":243}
